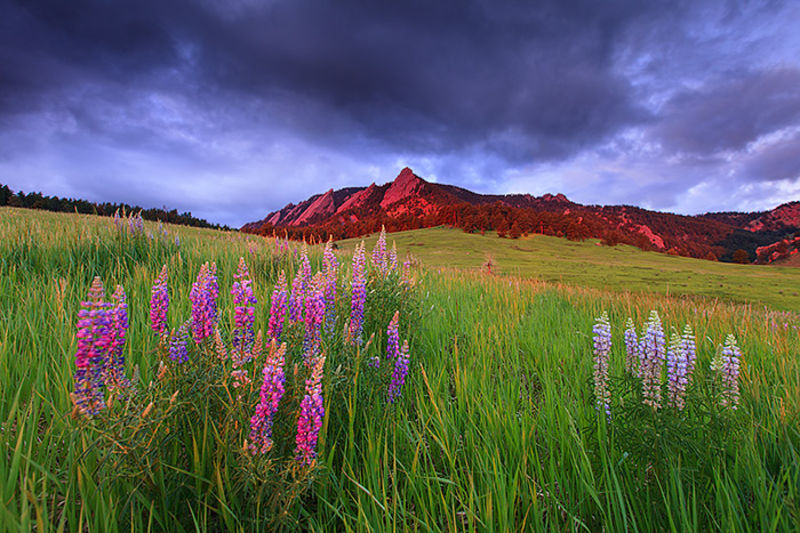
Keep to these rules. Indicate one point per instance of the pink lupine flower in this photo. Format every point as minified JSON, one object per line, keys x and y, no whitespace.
{"x":244,"y":313}
{"x":311,"y":414}
{"x":272,"y":389}
{"x":602,"y":352}
{"x":277,"y":311}
{"x":203,"y":295}
{"x":94,"y":341}
{"x":159,"y":303}
{"x":114,"y":372}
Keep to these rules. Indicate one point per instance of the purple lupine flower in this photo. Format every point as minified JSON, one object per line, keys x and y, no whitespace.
{"x":296,"y":299}
{"x":203,"y":295}
{"x":379,"y":256}
{"x":159,"y":303}
{"x":358,"y":284}
{"x":602,"y":352}
{"x":305,"y":269}
{"x":315,"y":314}
{"x":94,"y":341}
{"x":272,"y":389}
{"x":178,"y":339}
{"x":393,"y":336}
{"x":651,"y":362}
{"x":726,"y":365}
{"x":677,"y":372}
{"x":277,"y":312}
{"x":244,"y":312}
{"x":690,"y":349}
{"x":631,"y":348}
{"x":330,"y":269}
{"x":115,"y":365}
{"x":392,"y":258}
{"x":311,"y":414}
{"x":399,"y":373}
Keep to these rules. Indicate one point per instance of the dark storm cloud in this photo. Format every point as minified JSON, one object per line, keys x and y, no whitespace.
{"x":730,"y":114}
{"x":778,"y":161}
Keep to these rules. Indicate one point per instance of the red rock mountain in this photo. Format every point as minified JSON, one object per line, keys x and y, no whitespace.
{"x":412,"y":202}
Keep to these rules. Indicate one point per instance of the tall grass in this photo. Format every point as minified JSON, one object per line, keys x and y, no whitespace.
{"x":496,"y":429}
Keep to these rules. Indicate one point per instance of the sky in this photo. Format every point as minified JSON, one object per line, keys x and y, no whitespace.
{"x":234,"y":109}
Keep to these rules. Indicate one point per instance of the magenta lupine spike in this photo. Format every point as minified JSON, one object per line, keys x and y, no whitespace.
{"x":726,"y":364}
{"x":379,"y":256}
{"x":690,"y":349}
{"x":277,"y":312}
{"x":602,"y":352}
{"x":272,"y":389}
{"x":315,"y":314}
{"x":399,"y":373}
{"x":296,"y":299}
{"x":393,"y":337}
{"x":203,"y":295}
{"x":94,"y":341}
{"x":311,"y":414}
{"x":244,"y":311}
{"x":177,"y":343}
{"x":651,"y":362}
{"x":115,"y":366}
{"x":677,"y":372}
{"x":631,"y":348}
{"x":330,"y":269}
{"x":159,"y":303}
{"x":358,"y":285}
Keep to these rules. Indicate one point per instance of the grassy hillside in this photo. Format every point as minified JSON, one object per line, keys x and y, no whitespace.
{"x":585,"y":264}
{"x":496,"y":428}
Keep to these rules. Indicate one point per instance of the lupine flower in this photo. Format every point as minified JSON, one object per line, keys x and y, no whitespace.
{"x":399,"y":373}
{"x":602,"y":351}
{"x":204,"y":295}
{"x":94,"y":324}
{"x":690,"y":349}
{"x":116,"y":220}
{"x":379,"y":256}
{"x":358,"y":284}
{"x":177,"y":343}
{"x":311,"y":414}
{"x":305,"y":268}
{"x":330,"y":269}
{"x":406,"y":279}
{"x":114,"y":374}
{"x":393,"y":336}
{"x":159,"y":303}
{"x":652,"y":354}
{"x":726,"y":364}
{"x":315,"y":314}
{"x":631,"y":348}
{"x":277,"y":312}
{"x":392,"y":259}
{"x":219,"y":346}
{"x":677,"y":372}
{"x":296,"y":299}
{"x":272,"y":389}
{"x":244,"y":313}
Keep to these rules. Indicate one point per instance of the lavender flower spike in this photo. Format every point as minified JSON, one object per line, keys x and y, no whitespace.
{"x":677,"y":372}
{"x":652,"y":354}
{"x":315,"y":314}
{"x":358,"y":285}
{"x":726,"y":364}
{"x":399,"y":374}
{"x":380,"y":259}
{"x":311,"y":414}
{"x":203,"y":295}
{"x":690,"y":349}
{"x":177,"y":343}
{"x":244,"y":310}
{"x":277,"y":312}
{"x":114,"y":375}
{"x":631,"y":348}
{"x":602,"y":352}
{"x":159,"y":303}
{"x":94,"y":341}
{"x":393,"y":336}
{"x":272,"y":389}
{"x":296,"y":299}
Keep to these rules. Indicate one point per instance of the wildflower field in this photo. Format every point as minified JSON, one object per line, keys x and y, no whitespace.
{"x":162,"y":378}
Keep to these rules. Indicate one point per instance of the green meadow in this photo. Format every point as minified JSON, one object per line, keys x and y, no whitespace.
{"x":496,"y":428}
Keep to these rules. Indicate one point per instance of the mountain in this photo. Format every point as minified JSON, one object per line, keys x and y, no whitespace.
{"x":411,"y":202}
